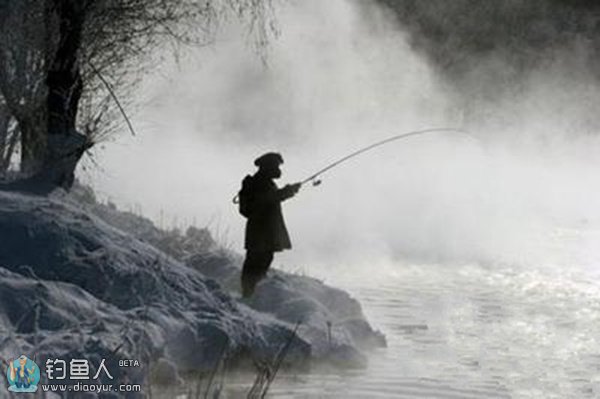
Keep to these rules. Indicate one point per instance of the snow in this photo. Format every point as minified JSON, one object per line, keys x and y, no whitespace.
{"x":79,"y":279}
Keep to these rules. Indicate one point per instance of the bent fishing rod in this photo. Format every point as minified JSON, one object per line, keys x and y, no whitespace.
{"x":332,"y":165}
{"x":315,"y":182}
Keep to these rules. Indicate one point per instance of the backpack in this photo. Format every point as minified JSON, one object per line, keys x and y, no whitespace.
{"x":245,"y":197}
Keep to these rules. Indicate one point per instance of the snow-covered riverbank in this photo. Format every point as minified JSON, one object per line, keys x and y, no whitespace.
{"x":80,"y":279}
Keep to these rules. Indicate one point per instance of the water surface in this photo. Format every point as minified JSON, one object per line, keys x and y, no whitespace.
{"x":471,"y":331}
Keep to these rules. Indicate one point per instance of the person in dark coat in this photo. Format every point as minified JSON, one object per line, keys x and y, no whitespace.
{"x":260,"y":202}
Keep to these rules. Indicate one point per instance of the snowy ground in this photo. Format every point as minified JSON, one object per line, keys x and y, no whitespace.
{"x":74,"y":286}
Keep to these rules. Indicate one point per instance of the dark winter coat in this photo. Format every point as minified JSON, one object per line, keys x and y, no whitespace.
{"x":265,"y":228}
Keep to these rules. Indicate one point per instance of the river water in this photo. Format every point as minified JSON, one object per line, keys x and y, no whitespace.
{"x":470,"y":331}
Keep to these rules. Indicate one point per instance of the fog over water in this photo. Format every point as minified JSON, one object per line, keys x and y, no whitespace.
{"x":478,"y":256}
{"x":342,"y":75}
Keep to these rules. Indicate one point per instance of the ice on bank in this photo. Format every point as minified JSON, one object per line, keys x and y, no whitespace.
{"x":80,"y":279}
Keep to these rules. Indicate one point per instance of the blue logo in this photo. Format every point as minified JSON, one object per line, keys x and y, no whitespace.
{"x":23,"y":375}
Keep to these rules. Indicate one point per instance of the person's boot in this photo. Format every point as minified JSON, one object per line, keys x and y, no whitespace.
{"x":247,"y":287}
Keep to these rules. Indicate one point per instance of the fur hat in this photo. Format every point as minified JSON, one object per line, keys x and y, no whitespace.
{"x":269,"y":159}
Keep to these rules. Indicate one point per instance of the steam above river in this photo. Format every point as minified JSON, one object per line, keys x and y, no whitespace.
{"x":341,"y":75}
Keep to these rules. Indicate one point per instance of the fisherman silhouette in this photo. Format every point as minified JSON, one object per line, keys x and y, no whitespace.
{"x":260,"y":202}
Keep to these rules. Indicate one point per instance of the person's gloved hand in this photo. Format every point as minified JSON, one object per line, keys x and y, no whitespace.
{"x":292,"y":189}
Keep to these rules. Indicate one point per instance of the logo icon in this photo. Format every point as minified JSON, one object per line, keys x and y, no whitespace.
{"x":23,"y":375}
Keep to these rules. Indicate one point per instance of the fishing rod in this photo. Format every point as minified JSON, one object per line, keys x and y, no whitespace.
{"x":332,"y":165}
{"x":316,"y":182}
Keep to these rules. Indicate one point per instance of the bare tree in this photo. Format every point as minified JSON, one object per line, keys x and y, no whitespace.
{"x":9,"y":137}
{"x":65,"y":63}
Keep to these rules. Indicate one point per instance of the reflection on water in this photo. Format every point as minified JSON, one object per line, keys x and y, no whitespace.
{"x":471,"y":332}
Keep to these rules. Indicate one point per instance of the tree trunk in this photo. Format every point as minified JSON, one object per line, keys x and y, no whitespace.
{"x":64,"y":145}
{"x":4,"y":121}
{"x":33,"y":142}
{"x":10,"y":148}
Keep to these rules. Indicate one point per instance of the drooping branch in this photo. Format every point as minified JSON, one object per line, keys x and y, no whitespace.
{"x":57,"y":100}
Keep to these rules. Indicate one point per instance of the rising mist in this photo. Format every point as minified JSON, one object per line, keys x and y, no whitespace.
{"x":340,"y":75}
